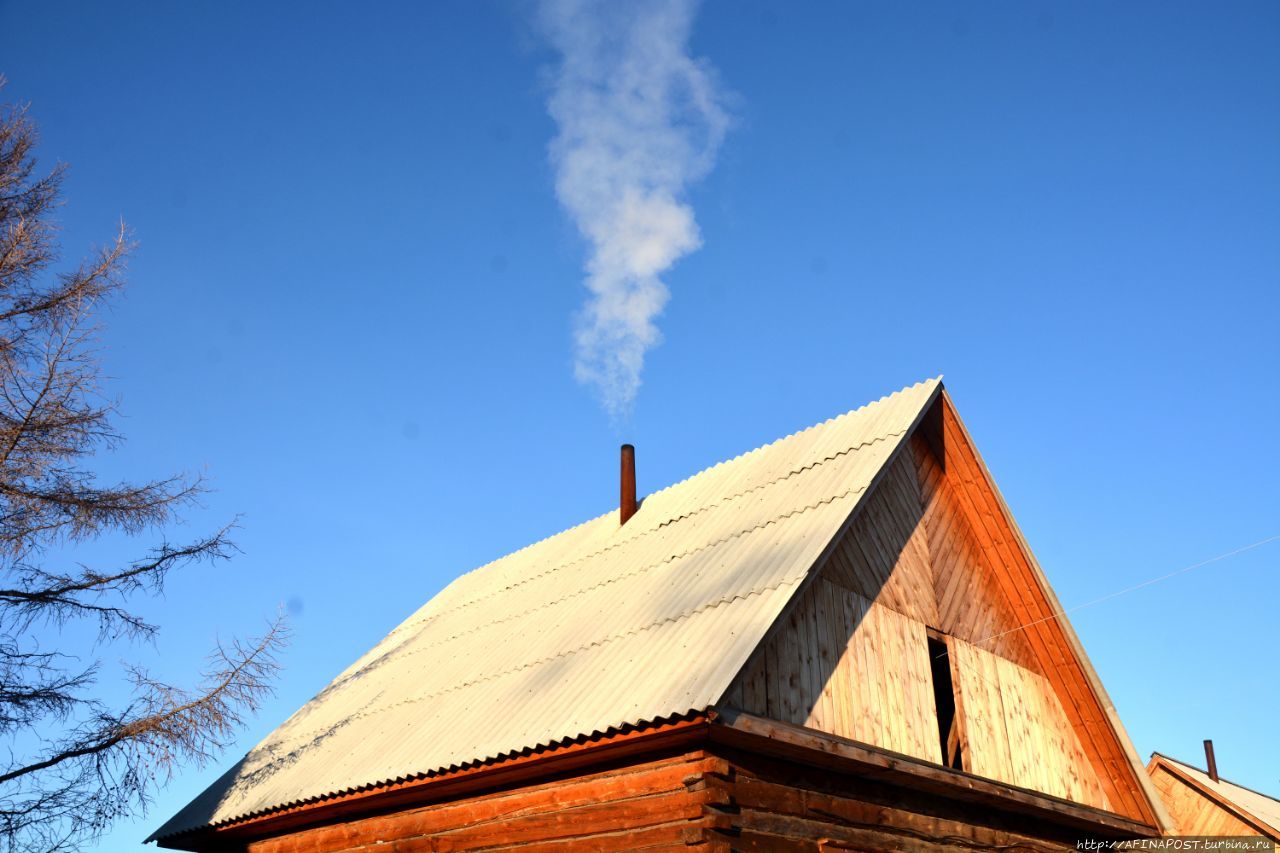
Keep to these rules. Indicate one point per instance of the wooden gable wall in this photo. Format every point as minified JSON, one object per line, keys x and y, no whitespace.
{"x":930,"y":551}
{"x":848,"y":666}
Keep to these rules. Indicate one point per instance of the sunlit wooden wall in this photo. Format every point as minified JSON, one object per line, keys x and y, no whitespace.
{"x":930,"y":553}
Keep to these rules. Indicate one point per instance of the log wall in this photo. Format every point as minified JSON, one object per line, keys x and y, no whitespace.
{"x":715,"y":798}
{"x":655,"y":805}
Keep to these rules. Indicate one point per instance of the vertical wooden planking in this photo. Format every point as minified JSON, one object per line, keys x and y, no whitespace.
{"x":1055,"y":766}
{"x":891,"y":654}
{"x":751,"y":685}
{"x":790,"y":675}
{"x":846,"y":689}
{"x":905,"y":505}
{"x":820,"y":695}
{"x":881,"y":649}
{"x":971,"y":603}
{"x":802,"y":616}
{"x":756,"y":692}
{"x":859,"y":672}
{"x":922,"y":712}
{"x":984,"y":712}
{"x":1016,"y":730}
{"x":733,"y":696}
{"x":961,"y":712}
{"x":1084,"y":779}
{"x":773,"y":679}
{"x":1021,"y":746}
{"x":870,"y":644}
{"x":829,"y":650}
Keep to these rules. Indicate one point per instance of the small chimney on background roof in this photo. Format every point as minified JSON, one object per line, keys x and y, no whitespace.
{"x":627,"y":499}
{"x":1210,"y":761}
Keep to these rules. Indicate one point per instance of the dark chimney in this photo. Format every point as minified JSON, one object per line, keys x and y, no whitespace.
{"x":1210,"y":761}
{"x":627,"y":500}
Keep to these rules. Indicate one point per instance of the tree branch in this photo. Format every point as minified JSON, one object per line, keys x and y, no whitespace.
{"x":175,"y":724}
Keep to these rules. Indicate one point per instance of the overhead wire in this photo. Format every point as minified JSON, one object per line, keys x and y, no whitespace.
{"x":1182,"y":571}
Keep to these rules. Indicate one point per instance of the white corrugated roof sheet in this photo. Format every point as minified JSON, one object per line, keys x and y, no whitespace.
{"x":598,"y":627}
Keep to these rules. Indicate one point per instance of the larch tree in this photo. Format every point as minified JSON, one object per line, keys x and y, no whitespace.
{"x":74,"y":762}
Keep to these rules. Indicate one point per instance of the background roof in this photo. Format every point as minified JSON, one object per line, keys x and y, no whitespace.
{"x":1261,"y":806}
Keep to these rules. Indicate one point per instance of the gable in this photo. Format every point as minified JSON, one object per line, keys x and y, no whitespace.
{"x":933,"y":554}
{"x":600,"y":627}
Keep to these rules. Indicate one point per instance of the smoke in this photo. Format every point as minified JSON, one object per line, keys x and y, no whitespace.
{"x":639,"y":121}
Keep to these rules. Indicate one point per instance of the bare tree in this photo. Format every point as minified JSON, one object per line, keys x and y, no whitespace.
{"x":75,"y":763}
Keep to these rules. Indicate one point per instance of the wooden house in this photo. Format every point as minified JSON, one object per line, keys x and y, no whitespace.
{"x":1200,"y":802}
{"x":838,"y":641}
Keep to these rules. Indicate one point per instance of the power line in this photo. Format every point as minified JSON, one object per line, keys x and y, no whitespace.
{"x":1126,"y":590}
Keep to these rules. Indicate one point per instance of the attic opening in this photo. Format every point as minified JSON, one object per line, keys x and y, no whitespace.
{"x":944,"y":701}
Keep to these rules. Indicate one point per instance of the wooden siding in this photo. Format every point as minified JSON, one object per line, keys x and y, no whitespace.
{"x":848,"y":666}
{"x":1017,"y":731}
{"x":930,"y":547}
{"x":912,"y":549}
{"x":1193,"y":812}
{"x":971,"y":602}
{"x":884,"y":556}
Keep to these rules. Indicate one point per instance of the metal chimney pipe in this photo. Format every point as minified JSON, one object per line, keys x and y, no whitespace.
{"x":627,"y":499}
{"x":1210,"y":761}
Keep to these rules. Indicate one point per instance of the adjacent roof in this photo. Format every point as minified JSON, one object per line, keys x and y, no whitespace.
{"x":1261,"y":808}
{"x":598,"y":627}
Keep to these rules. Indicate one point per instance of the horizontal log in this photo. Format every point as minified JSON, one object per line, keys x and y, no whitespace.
{"x":826,"y":836}
{"x":629,"y":782}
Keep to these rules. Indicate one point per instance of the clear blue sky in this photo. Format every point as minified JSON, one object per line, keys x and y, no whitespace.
{"x":352,"y":301}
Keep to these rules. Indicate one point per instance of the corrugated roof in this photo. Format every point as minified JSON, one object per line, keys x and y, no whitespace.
{"x":598,"y":627}
{"x":1260,"y":806}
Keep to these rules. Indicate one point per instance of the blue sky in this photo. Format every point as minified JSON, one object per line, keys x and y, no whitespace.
{"x":353,"y":301}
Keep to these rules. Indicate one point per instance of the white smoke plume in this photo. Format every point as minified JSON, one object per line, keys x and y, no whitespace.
{"x":639,"y":121}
